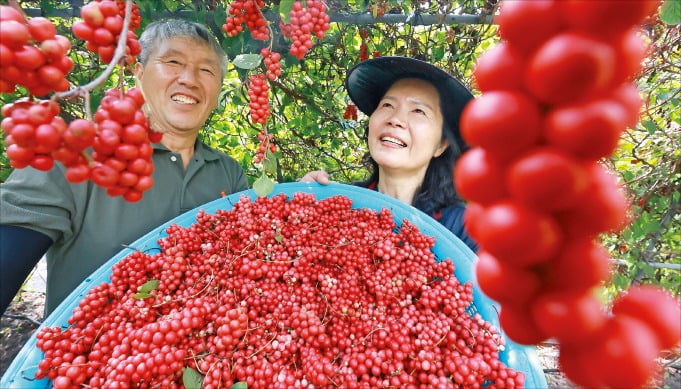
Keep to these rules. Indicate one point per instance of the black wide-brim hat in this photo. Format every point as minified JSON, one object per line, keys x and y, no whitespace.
{"x":368,"y":81}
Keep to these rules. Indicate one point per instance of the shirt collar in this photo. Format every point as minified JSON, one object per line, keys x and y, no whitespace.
{"x":200,"y":150}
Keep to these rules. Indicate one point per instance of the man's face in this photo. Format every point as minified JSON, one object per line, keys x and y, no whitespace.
{"x":181,"y":83}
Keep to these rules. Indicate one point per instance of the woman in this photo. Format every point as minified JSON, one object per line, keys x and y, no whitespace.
{"x":413,"y":135}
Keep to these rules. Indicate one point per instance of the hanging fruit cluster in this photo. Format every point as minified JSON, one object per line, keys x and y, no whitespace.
{"x":122,"y":147}
{"x":258,"y":89}
{"x":266,"y":145}
{"x":102,"y":25}
{"x":305,"y":22}
{"x":280,"y":292}
{"x":271,"y":60}
{"x":557,"y":92}
{"x":35,"y":57}
{"x":350,"y":112}
{"x":119,"y":136}
{"x":32,"y":54}
{"x":247,"y":12}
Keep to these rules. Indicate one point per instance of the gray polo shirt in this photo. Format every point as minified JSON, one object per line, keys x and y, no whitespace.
{"x":88,"y":227}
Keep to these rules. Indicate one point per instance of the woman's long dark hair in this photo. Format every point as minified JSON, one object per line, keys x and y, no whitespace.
{"x":437,"y":190}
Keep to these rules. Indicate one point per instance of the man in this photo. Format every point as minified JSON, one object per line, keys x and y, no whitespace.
{"x":79,"y":226}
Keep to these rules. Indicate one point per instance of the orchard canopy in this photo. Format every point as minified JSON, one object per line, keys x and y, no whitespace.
{"x":314,"y":126}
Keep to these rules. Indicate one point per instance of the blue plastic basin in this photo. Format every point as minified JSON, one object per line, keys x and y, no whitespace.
{"x":518,"y":357}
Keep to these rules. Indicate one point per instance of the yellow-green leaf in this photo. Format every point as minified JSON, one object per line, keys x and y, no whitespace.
{"x":143,"y":295}
{"x":148,"y":286}
{"x":263,"y":186}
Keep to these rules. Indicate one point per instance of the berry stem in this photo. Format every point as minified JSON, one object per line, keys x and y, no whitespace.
{"x":119,"y":54}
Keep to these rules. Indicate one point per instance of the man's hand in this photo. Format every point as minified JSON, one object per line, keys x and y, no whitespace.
{"x":319,"y":176}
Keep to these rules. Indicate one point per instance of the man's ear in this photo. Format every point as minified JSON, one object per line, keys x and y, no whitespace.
{"x":139,"y":71}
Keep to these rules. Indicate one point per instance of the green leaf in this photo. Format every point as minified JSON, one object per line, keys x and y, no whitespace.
{"x":247,"y":61}
{"x":148,"y":286}
{"x":279,"y":238}
{"x":143,"y":295}
{"x":191,"y":378}
{"x":651,"y":226}
{"x":620,"y":281}
{"x":239,"y":385}
{"x":671,"y":12}
{"x":270,"y":162}
{"x":219,"y":15}
{"x":438,"y":53}
{"x":285,"y":7}
{"x":263,"y":186}
{"x":650,"y":126}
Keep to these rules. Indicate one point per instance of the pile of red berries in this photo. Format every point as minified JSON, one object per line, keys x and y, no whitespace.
{"x":258,"y":89}
{"x":32,"y":54}
{"x":303,"y":24}
{"x":101,"y":27}
{"x":280,"y":292}
{"x":248,"y":12}
{"x":557,"y":94}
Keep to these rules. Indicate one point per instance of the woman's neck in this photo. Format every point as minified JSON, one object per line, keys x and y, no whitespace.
{"x":403,"y":188}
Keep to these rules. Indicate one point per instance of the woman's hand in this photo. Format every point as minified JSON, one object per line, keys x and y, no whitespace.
{"x":319,"y":176}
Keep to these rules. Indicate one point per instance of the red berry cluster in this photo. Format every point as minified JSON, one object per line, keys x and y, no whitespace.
{"x":557,"y":94}
{"x":305,"y":22}
{"x":119,"y":136}
{"x":363,"y":51}
{"x":34,"y":133}
{"x":135,"y":17}
{"x":271,"y":60}
{"x":101,"y":26}
{"x":122,"y":148}
{"x":280,"y":292}
{"x":248,"y":12}
{"x":257,"y":94}
{"x":266,"y":143}
{"x":350,"y":112}
{"x":32,"y":54}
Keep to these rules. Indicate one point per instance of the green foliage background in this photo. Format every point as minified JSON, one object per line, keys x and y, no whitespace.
{"x":308,"y":100}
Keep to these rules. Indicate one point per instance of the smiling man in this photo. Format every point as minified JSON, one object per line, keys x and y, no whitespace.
{"x":79,"y":226}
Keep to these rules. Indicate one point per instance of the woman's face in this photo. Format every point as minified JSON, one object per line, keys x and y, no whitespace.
{"x":181,"y":82}
{"x":405,"y":130}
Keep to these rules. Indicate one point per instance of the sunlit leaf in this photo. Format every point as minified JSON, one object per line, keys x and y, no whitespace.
{"x":247,"y":61}
{"x":140,"y":296}
{"x":671,"y":12}
{"x":263,"y":186}
{"x":148,"y":286}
